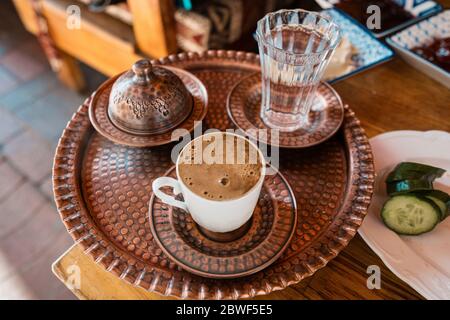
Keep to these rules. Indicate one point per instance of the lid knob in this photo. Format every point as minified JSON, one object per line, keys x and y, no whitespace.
{"x":142,"y":70}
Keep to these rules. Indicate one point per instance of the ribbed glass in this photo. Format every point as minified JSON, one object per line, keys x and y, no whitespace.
{"x":295,"y":47}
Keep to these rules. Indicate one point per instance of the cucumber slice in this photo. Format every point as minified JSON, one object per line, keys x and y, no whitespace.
{"x":442,"y":206}
{"x":414,"y":171}
{"x":440,"y":198}
{"x":410,"y":214}
{"x":438,"y":194}
{"x":399,"y":187}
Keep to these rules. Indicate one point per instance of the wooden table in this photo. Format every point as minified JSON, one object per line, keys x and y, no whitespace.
{"x":393,"y":96}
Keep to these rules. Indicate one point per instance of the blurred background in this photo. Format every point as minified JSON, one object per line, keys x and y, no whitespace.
{"x":53,"y":54}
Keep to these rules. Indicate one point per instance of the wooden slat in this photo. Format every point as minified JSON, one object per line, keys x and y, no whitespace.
{"x":26,"y":13}
{"x":102,"y":42}
{"x":154,"y":26}
{"x":96,"y":284}
{"x":70,"y":73}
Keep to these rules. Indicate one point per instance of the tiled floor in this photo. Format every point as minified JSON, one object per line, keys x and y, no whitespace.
{"x":34,"y":108}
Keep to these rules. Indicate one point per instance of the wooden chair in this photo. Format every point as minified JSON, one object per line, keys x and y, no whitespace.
{"x":103,"y":42}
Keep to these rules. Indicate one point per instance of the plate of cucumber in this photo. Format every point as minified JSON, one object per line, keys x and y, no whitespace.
{"x":408,"y":223}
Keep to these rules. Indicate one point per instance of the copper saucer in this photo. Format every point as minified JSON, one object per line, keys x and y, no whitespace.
{"x":269,"y":232}
{"x":98,"y":114}
{"x":325,"y":118}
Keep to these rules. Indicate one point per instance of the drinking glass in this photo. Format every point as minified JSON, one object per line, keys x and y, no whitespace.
{"x":295,"y":47}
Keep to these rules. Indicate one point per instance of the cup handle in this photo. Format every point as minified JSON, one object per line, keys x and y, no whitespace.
{"x":168,"y":182}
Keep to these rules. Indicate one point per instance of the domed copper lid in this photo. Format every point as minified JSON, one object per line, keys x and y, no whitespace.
{"x":148,"y":100}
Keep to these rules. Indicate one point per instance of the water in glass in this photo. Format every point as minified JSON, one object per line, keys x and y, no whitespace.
{"x":295,"y":47}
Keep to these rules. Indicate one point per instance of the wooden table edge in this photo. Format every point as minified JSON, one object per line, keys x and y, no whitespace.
{"x":60,"y":274}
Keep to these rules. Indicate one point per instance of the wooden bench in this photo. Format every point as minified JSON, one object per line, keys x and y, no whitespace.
{"x":104,"y":42}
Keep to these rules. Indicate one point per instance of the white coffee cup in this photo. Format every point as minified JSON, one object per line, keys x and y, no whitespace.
{"x":213,"y":215}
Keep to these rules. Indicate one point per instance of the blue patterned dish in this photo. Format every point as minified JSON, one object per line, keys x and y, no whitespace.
{"x":421,"y":34}
{"x":371,"y":51}
{"x":419,"y":9}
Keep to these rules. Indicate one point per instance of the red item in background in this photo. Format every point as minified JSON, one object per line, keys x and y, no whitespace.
{"x":437,"y":52}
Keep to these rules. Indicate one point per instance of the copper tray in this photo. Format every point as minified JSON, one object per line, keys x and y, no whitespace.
{"x":102,"y":192}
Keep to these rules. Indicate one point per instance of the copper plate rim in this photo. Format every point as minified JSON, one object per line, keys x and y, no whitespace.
{"x":288,"y":146}
{"x":71,"y":206}
{"x":235,"y":275}
{"x":149,"y":142}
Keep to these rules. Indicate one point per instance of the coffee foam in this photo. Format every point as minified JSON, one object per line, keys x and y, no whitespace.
{"x":220,"y":167}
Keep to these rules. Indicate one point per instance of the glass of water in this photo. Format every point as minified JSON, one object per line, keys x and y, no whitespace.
{"x":295,"y":47}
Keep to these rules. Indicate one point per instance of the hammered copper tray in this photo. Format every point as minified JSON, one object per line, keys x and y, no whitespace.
{"x":102,"y":192}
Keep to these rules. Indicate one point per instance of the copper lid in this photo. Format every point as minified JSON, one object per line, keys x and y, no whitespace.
{"x":148,"y":100}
